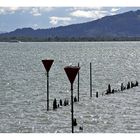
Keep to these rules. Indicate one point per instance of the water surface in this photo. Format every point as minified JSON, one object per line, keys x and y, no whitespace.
{"x":23,"y":87}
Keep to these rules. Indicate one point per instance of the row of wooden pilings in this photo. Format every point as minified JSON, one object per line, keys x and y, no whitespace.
{"x":61,"y":103}
{"x":71,"y":72}
{"x":122,"y":88}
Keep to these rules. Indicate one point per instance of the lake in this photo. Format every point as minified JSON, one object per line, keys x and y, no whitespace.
{"x":23,"y":87}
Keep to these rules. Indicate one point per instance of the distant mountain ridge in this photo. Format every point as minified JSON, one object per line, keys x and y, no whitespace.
{"x":2,"y":32}
{"x":121,"y":25}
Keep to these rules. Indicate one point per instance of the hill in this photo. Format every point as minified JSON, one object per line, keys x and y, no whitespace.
{"x":125,"y":25}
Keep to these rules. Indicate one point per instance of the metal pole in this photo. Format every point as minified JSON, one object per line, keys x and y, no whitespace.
{"x":78,"y":84}
{"x":72,"y":108}
{"x":47,"y":91}
{"x":90,"y":80}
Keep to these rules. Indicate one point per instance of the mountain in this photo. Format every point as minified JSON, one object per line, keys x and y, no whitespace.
{"x":121,"y":25}
{"x":1,"y":32}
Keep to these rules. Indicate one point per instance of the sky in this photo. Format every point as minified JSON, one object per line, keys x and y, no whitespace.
{"x":12,"y":18}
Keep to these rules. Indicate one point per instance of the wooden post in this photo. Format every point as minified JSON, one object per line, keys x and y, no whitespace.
{"x":72,"y":108}
{"x":96,"y":94}
{"x":47,"y":91}
{"x":90,"y":80}
{"x":78,"y":84}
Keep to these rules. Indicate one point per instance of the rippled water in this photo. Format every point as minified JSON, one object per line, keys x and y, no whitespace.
{"x":23,"y":87}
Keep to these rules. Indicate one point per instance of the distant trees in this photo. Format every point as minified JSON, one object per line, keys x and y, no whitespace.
{"x":67,"y":39}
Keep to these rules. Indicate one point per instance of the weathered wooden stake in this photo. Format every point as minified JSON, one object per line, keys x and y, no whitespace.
{"x":47,"y":91}
{"x":55,"y":104}
{"x":122,"y":87}
{"x":78,"y":83}
{"x":60,"y":102}
{"x":75,"y":99}
{"x":109,"y":89}
{"x":90,"y":80}
{"x":137,"y":83}
{"x":96,"y":94}
{"x":72,"y":107}
{"x":74,"y":122}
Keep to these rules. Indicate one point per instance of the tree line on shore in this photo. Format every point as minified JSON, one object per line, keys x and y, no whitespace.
{"x":67,"y":39}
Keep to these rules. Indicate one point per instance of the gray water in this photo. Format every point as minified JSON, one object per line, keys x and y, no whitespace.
{"x":23,"y":87}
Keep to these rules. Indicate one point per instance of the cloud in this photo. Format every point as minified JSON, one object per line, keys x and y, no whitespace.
{"x":94,"y":14}
{"x":46,"y":9}
{"x":115,"y":9}
{"x":2,"y":11}
{"x":35,"y":12}
{"x":8,"y":10}
{"x":38,"y":11}
{"x":35,"y":26}
{"x":13,"y":8}
{"x":61,"y":20}
{"x":80,"y":13}
{"x":84,"y":8}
